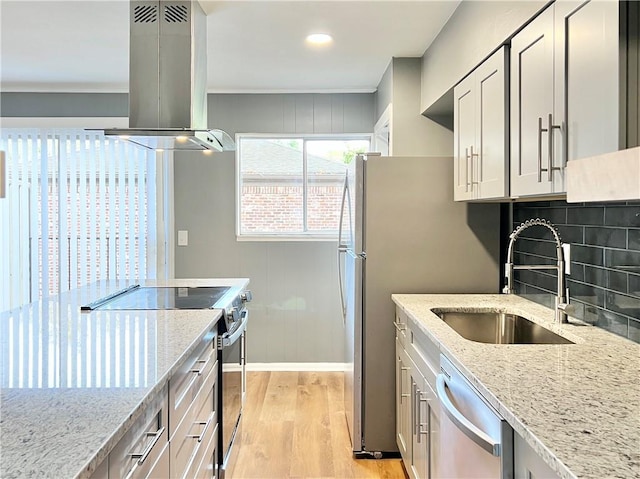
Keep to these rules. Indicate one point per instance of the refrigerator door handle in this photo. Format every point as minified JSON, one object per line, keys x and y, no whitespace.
{"x":342,"y":248}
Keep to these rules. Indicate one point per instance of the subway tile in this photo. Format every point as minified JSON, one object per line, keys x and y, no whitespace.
{"x":624,"y":260}
{"x":537,"y":247}
{"x":587,"y":255}
{"x":554,"y":215}
{"x":610,"y":237}
{"x":623,"y":304}
{"x":634,"y":285}
{"x":571,"y":234}
{"x":634,"y":239}
{"x":634,"y":330}
{"x":587,"y":293}
{"x":595,"y":276}
{"x":585,"y":216}
{"x":613,"y":322}
{"x":577,"y":272}
{"x":625,"y":216}
{"x":617,"y":281}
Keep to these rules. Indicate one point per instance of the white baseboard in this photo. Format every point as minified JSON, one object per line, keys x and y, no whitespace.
{"x":320,"y":367}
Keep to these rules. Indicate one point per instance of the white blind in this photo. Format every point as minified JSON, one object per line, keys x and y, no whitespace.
{"x":79,"y":208}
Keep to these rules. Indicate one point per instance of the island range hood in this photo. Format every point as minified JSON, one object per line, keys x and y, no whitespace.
{"x":168,"y":79}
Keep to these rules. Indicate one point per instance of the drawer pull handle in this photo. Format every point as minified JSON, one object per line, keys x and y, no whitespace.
{"x":400,"y":326}
{"x":204,"y":363}
{"x":206,"y":425}
{"x":142,"y":456}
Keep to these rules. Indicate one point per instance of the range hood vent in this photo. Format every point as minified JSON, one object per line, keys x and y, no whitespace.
{"x":168,"y":78}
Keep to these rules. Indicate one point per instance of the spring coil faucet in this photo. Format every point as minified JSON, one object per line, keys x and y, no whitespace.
{"x":562,"y":308}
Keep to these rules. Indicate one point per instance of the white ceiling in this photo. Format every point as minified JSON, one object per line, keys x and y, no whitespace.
{"x":253,"y":46}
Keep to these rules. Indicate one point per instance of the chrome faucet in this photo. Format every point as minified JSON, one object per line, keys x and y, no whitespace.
{"x":562,"y":308}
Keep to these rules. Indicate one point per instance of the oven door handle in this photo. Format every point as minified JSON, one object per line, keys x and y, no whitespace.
{"x":227,"y":339}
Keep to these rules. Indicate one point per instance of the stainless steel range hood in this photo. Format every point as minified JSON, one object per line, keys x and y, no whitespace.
{"x":168,"y":78}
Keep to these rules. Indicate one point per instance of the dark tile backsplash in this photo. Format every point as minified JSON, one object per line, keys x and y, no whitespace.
{"x":604,"y":283}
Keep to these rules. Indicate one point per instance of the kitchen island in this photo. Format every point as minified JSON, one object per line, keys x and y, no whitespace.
{"x":72,"y":383}
{"x":576,"y":405}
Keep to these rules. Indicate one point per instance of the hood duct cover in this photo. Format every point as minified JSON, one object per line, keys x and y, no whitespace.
{"x":168,"y":78}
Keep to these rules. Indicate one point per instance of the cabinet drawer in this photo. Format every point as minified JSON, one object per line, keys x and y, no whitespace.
{"x":425,"y":354}
{"x":136,"y":454}
{"x":187,"y":381}
{"x":198,"y":427}
{"x":401,"y":323}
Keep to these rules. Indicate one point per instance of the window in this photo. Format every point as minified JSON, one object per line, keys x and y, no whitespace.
{"x":291,"y":187}
{"x":79,"y":208}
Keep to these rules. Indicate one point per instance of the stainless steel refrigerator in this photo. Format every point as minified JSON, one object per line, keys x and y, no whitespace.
{"x":401,"y":232}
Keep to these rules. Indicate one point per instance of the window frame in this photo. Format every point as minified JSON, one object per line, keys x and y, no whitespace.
{"x":303,"y":236}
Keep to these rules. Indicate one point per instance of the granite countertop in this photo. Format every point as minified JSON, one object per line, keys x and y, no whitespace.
{"x":72,"y":383}
{"x":577,"y":405}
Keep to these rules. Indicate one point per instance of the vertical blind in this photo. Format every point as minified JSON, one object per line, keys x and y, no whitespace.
{"x":79,"y":208}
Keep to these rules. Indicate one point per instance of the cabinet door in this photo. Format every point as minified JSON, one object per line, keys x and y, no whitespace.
{"x":527,"y":464}
{"x":403,"y":401}
{"x":531,"y":105}
{"x":464,"y":119}
{"x":420,"y":426}
{"x":489,"y":166}
{"x":587,"y":76}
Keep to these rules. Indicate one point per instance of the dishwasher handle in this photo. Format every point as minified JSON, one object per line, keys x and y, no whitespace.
{"x":469,"y":429}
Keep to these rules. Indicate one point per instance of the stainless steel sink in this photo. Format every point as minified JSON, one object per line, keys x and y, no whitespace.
{"x":499,"y":328}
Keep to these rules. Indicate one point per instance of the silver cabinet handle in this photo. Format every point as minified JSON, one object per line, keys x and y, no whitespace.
{"x":464,"y":425}
{"x":206,"y":425}
{"x":466,"y":164}
{"x":540,"y":131}
{"x":550,"y":129}
{"x":142,"y":456}
{"x":403,"y":368}
{"x":420,"y":431}
{"x":400,"y":326}
{"x":204,"y":363}
{"x":471,"y":155}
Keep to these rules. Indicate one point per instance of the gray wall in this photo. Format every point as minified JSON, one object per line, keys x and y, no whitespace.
{"x":295,"y":314}
{"x":411,"y":133}
{"x":474,"y":31}
{"x":44,"y":105}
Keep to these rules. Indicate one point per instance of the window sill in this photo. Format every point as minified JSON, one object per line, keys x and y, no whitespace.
{"x":287,"y":238}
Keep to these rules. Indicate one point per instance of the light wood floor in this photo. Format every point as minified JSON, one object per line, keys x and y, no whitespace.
{"x":294,"y":427}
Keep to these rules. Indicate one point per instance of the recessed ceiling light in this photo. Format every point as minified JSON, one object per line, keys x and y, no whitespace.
{"x":319,"y":39}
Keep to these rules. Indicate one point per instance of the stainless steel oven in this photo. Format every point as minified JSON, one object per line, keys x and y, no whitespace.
{"x":231,"y":377}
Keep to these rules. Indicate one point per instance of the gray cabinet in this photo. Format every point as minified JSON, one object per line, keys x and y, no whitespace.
{"x":565,"y":97}
{"x":480,"y":132}
{"x":417,"y":408}
{"x":193,"y":413}
{"x":143,"y":452}
{"x":528,"y":464}
{"x":403,"y":402}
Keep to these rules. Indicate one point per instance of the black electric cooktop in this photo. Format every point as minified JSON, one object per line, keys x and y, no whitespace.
{"x":143,"y":298}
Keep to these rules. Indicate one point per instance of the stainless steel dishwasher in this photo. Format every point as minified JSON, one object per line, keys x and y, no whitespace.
{"x":475,"y":442}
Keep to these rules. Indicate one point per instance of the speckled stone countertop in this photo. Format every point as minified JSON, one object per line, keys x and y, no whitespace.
{"x":577,"y":405}
{"x":72,"y":383}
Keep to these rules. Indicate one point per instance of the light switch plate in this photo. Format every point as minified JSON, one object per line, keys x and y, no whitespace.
{"x":183,"y":238}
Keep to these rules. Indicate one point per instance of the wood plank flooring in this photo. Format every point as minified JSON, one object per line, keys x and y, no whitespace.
{"x":294,"y":427}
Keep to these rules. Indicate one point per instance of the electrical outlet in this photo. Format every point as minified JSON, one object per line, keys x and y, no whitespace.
{"x":183,"y":238}
{"x":566,"y":251}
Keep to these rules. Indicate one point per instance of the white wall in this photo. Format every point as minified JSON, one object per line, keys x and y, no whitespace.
{"x":295,"y":314}
{"x":475,"y":29}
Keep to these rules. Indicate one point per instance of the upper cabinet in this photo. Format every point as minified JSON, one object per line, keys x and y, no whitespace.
{"x":480,"y":132}
{"x":565,"y":93}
